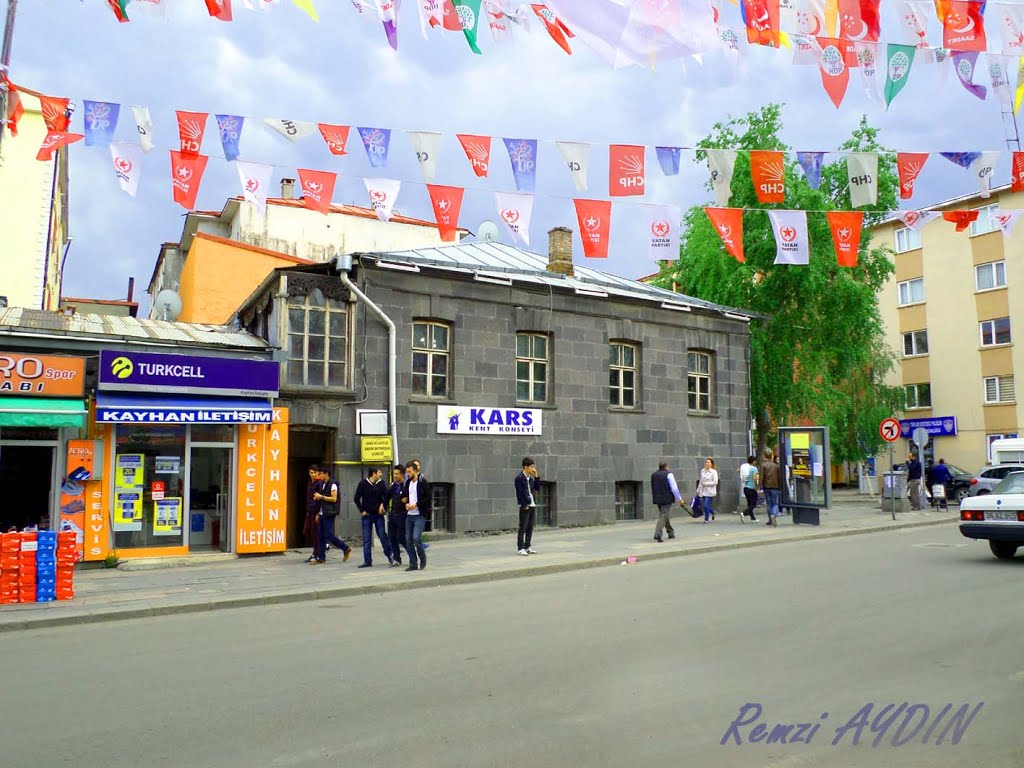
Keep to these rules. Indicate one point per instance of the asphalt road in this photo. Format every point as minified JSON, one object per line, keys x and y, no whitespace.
{"x":641,"y":665}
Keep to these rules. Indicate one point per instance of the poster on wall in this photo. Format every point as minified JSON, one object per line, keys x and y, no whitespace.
{"x":167,"y":465}
{"x":129,"y":470}
{"x":128,"y":509}
{"x":81,"y":465}
{"x":167,"y":517}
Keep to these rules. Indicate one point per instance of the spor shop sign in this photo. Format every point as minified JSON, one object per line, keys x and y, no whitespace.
{"x":187,"y":374}
{"x":466,"y":420}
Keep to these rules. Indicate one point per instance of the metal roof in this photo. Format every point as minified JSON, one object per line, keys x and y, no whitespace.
{"x":492,"y":260}
{"x":18,"y":322}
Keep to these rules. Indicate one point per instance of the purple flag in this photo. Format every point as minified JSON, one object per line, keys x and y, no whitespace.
{"x":100,"y":122}
{"x":963,"y":159}
{"x":230,"y":127}
{"x":377,"y":141}
{"x":523,"y":155}
{"x":963,"y":63}
{"x":811,"y":163}
{"x":668,"y":159}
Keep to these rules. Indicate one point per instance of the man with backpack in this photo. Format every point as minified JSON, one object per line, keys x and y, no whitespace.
{"x":330,"y":507}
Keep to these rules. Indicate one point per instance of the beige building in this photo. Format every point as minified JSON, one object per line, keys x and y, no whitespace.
{"x":951,"y":312}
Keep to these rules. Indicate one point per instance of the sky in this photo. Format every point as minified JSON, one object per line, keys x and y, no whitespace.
{"x":280,"y":64}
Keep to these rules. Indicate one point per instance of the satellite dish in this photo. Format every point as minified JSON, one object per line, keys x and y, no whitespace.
{"x":167,"y":305}
{"x":487,"y":232}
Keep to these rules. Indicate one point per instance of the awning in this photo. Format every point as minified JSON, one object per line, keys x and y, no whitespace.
{"x":41,"y":412}
{"x":146,"y":409}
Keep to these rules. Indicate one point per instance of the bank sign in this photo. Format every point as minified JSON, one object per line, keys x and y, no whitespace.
{"x":187,"y":374}
{"x":466,"y":420}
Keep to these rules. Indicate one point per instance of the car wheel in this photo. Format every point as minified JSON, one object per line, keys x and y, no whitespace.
{"x":1004,"y":550}
{"x":983,"y":493}
{"x":961,"y":494}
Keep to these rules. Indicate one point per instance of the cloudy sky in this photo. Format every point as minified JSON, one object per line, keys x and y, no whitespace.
{"x":281,"y":64}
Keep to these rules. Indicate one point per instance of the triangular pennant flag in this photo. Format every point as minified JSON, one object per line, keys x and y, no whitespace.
{"x":522,"y":153}
{"x":964,"y":64}
{"x":55,"y":113}
{"x":450,"y":17}
{"x":963,"y":24}
{"x":446,"y":202}
{"x":100,"y":121}
{"x":865,"y":58}
{"x":427,"y":145}
{"x":999,"y":73}
{"x":317,"y":189}
{"x":859,"y":21}
{"x":186,"y":175}
{"x":53,"y":141}
{"x":383,"y":194}
{"x":309,"y":8}
{"x":1017,"y":172}
{"x":915,"y":22}
{"x":811,"y":163}
{"x":721,"y":164}
{"x":377,"y":142}
{"x":478,"y":152}
{"x":255,"y":181}
{"x":127,"y":160}
{"x":1018,"y":96}
{"x":219,"y":9}
{"x":790,"y":230}
{"x":668,"y":159}
{"x":515,"y":211}
{"x":962,"y":219}
{"x":499,"y":21}
{"x":846,"y":228}
{"x":1006,"y":220}
{"x":728,"y":223}
{"x":963,"y":159}
{"x":469,"y":15}
{"x":293,"y":130}
{"x":388,"y":10}
{"x":230,"y":127}
{"x":145,"y":125}
{"x":916,"y":220}
{"x":663,"y":231}
{"x":897,"y":69}
{"x":1012,"y":17}
{"x":909,"y":166}
{"x":431,"y":14}
{"x":768,"y":174}
{"x":627,"y":173}
{"x":15,"y":109}
{"x":191,"y":127}
{"x":336,"y":137}
{"x":595,"y":220}
{"x":575,"y":155}
{"x":120,"y":9}
{"x":835,"y":75}
{"x":555,"y":26}
{"x":762,"y":21}
{"x":156,"y":9}
{"x":983,"y":168}
{"x":862,"y":168}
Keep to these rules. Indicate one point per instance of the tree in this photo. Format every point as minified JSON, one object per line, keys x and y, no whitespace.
{"x":819,"y":352}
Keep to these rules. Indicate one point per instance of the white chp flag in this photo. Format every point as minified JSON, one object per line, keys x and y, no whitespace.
{"x":790,"y":229}
{"x":917,"y":219}
{"x":293,"y":130}
{"x":663,"y":231}
{"x":914,"y":16}
{"x":721,"y":163}
{"x":575,"y":155}
{"x":515,"y":210}
{"x":255,"y":181}
{"x":383,"y":193}
{"x":983,"y":168}
{"x":145,"y":125}
{"x":1006,"y":220}
{"x":862,"y":168}
{"x":427,"y":145}
{"x":127,"y":159}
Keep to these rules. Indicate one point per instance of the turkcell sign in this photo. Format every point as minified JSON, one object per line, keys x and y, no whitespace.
{"x":939,"y":426}
{"x":467,"y":420}
{"x":187,"y":374}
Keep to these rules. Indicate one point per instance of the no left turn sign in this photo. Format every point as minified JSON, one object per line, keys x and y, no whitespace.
{"x":890,"y":430}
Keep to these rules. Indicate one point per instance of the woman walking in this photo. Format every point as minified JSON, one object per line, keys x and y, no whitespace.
{"x":708,"y":488}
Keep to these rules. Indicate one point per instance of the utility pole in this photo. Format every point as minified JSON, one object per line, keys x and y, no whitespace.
{"x":5,"y":61}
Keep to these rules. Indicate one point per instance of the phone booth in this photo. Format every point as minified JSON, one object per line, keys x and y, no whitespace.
{"x":806,"y":472}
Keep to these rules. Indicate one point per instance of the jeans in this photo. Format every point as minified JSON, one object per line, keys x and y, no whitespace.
{"x":751,"y":494}
{"x":706,"y":505}
{"x":527,"y":517}
{"x":771,"y":500}
{"x":325,"y":536}
{"x":371,"y":523}
{"x":396,"y":533}
{"x":414,"y":525}
{"x":663,"y":521}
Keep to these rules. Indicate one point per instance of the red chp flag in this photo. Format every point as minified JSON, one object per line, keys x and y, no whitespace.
{"x":595,"y":220}
{"x":963,"y":24}
{"x":336,"y":137}
{"x":317,"y":189}
{"x":768,"y":172}
{"x":191,"y":127}
{"x":962,"y":219}
{"x":626,"y":173}
{"x":55,"y":113}
{"x":1017,"y":172}
{"x":55,"y":140}
{"x":554,"y":25}
{"x":447,"y":202}
{"x":728,"y":223}
{"x":846,"y":227}
{"x":219,"y":9}
{"x":478,"y":150}
{"x":186,"y":175}
{"x":762,"y":19}
{"x":909,"y":166}
{"x":15,"y":109}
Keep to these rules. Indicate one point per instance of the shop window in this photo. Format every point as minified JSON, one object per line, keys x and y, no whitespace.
{"x":623,"y":374}
{"x":985,"y":223}
{"x":532,"y":367}
{"x":915,"y":343}
{"x":907,"y":239}
{"x":918,"y":395}
{"x":431,"y":352}
{"x":144,"y":456}
{"x":911,"y":291}
{"x":999,"y":389}
{"x":213,"y":433}
{"x":442,"y":513}
{"x":698,"y":381}
{"x":318,"y":333}
{"x":989,"y":276}
{"x":545,"y":501}
{"x":995,"y":332}
{"x":627,"y":495}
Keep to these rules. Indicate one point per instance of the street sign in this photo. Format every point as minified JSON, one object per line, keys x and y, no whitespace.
{"x":921,"y":436}
{"x":890,"y":430}
{"x":376,"y":450}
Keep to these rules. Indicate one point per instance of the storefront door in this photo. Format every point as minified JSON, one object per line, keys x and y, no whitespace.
{"x":28,"y":478}
{"x":210,"y":495}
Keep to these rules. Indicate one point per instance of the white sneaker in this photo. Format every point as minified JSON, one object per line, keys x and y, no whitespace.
{"x":531,"y":551}
{"x":523,"y":552}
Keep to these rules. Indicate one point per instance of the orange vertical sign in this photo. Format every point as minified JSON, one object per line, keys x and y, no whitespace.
{"x":262,"y":516}
{"x":80,"y":467}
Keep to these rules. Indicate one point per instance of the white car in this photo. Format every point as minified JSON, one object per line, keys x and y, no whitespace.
{"x":997,"y":517}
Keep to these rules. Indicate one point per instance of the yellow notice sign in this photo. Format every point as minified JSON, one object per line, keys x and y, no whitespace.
{"x":167,"y":517}
{"x":376,"y":449}
{"x":800,"y":440}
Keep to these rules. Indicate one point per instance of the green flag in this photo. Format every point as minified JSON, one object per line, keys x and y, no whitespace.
{"x":468,"y":12}
{"x":900,"y":58}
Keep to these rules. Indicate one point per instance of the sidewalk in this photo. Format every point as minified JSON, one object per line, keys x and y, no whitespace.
{"x":114,"y":594}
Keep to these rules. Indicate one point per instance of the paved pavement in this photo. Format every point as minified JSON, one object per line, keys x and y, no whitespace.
{"x":213,"y":583}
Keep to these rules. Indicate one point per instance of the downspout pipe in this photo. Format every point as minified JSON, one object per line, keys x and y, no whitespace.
{"x":343,"y":264}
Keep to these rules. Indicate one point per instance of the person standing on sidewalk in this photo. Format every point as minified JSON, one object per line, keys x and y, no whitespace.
{"x":748,"y":481}
{"x":914,"y":472}
{"x":665,"y":493}
{"x":396,"y":514}
{"x":416,"y":494}
{"x":526,"y":483}
{"x":310,"y":527}
{"x":330,"y":507}
{"x":769,"y":477}
{"x":369,"y":499}
{"x":708,"y":488}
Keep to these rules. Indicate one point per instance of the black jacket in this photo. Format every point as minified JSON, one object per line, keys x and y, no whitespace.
{"x":330,"y":508}
{"x":423,"y":500}
{"x":370,"y":496}
{"x":523,"y":490}
{"x":393,"y":496}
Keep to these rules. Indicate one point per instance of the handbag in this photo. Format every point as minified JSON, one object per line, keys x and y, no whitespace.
{"x":695,"y":510}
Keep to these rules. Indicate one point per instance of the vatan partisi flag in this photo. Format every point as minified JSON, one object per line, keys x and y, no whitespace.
{"x":100,"y":121}
{"x":127,"y":160}
{"x":255,"y":181}
{"x":230,"y":127}
{"x":663,"y":231}
{"x":791,"y":243}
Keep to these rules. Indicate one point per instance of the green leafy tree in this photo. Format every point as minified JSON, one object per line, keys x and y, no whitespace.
{"x":819,"y":352}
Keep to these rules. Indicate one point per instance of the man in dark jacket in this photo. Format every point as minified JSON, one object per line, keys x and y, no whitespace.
{"x":309,"y":527}
{"x":329,"y":499}
{"x":665,"y":493}
{"x":416,"y":495}
{"x":526,"y":483}
{"x":369,"y":499}
{"x":396,"y":514}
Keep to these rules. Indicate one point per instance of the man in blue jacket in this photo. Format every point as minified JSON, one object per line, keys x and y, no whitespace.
{"x":527,"y":482}
{"x":369,"y":498}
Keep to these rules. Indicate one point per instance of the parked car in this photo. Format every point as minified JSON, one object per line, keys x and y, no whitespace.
{"x":988,"y":478}
{"x":957,"y":489}
{"x":997,"y":517}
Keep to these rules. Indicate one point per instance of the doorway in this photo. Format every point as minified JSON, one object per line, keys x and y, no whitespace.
{"x":26,"y":485}
{"x":210,"y":487}
{"x":306,"y":445}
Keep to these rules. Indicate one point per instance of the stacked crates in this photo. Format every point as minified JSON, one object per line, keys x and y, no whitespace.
{"x":46,"y":566}
{"x":67,"y":553}
{"x":10,"y":560}
{"x":27,"y":568}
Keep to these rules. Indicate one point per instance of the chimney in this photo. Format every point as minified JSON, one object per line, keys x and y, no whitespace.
{"x":287,"y":188}
{"x":560,"y":251}
{"x":131,"y":288}
{"x":3,"y":302}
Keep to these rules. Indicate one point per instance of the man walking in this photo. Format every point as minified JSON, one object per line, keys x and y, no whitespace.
{"x":328,"y":499}
{"x":770,"y":476}
{"x":941,"y":478}
{"x":369,"y":499}
{"x":309,"y":527}
{"x":396,"y":514}
{"x":914,"y":472}
{"x":526,"y":483}
{"x":416,"y":493}
{"x":665,"y":493}
{"x":748,"y":482}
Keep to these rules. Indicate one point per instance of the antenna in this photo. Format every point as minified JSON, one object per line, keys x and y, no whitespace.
{"x":487,"y":232}
{"x":167,"y":305}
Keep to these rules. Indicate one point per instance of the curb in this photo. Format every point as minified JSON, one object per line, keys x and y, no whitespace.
{"x":43,"y":622}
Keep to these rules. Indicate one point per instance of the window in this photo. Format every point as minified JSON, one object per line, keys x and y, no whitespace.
{"x":622,"y":374}
{"x":999,"y":389}
{"x":995,"y":331}
{"x":626,"y":495}
{"x":442,"y":516}
{"x":430,"y":353}
{"x":911,"y":291}
{"x":317,"y":341}
{"x":531,"y":368}
{"x":918,"y":395}
{"x":915,"y":343}
{"x":989,"y":276}
{"x":907,"y":239}
{"x":984,"y":223}
{"x":545,"y":501}
{"x":698,"y":381}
